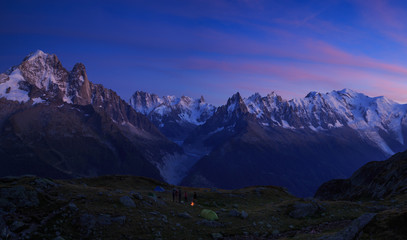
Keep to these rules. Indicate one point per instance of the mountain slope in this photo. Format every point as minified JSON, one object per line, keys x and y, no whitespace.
{"x":297,"y":143}
{"x":57,"y":123}
{"x":375,"y":180}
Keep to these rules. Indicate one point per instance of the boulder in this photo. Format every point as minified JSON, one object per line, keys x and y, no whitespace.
{"x":20,"y":196}
{"x":216,"y":236}
{"x":161,"y":203}
{"x":16,"y":226}
{"x":136,"y":195}
{"x":304,"y":210}
{"x":127,"y":201}
{"x":72,"y":207}
{"x":44,"y":183}
{"x":234,"y":213}
{"x":184,"y":215}
{"x":104,"y":219}
{"x":120,"y":220}
{"x":244,"y":214}
{"x":87,"y":223}
{"x":352,"y":231}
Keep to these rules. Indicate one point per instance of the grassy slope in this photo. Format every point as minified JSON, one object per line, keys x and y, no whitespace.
{"x":268,"y":211}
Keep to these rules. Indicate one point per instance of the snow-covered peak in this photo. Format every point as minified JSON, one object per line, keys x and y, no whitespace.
{"x":44,"y":75}
{"x":347,"y":92}
{"x":45,"y":71}
{"x":272,"y":94}
{"x":202,"y":99}
{"x":312,"y":94}
{"x":255,"y":97}
{"x":183,"y":109}
{"x":324,"y":111}
{"x":234,"y":102}
{"x":256,"y":104}
{"x":144,"y":102}
{"x":185,"y":101}
{"x":235,"y":98}
{"x":335,"y":109}
{"x":35,"y":55}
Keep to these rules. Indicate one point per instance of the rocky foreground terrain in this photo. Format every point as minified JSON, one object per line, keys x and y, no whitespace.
{"x":125,"y":207}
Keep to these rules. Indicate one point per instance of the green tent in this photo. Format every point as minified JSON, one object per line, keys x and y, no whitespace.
{"x":209,"y":214}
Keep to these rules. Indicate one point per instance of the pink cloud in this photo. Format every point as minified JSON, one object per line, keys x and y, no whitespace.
{"x":387,"y":19}
{"x":326,"y":53}
{"x":253,"y":67}
{"x":381,"y":13}
{"x":302,"y":76}
{"x":293,"y":48}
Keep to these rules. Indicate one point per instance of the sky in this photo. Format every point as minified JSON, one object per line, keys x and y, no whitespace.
{"x":215,"y":48}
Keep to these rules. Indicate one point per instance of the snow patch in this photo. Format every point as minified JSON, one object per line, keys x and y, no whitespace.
{"x":174,"y":167}
{"x":216,"y":131}
{"x":285,"y":124}
{"x":10,"y":88}
{"x":378,"y":140}
{"x":38,"y":100}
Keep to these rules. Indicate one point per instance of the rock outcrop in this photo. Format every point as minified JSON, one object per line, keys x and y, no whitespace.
{"x":375,"y":180}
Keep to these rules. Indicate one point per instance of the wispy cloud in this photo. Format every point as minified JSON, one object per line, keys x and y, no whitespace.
{"x":385,"y":18}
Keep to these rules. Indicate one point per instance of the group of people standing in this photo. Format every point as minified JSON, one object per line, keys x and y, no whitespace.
{"x":177,"y":193}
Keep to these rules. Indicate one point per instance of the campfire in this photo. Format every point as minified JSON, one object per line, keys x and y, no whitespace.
{"x":192,"y":203}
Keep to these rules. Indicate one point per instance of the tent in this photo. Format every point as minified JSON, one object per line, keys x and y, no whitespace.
{"x":209,"y":214}
{"x":159,"y":189}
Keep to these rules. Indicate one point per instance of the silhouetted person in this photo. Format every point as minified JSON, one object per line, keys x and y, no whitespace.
{"x":194,"y":195}
{"x":174,"y":193}
{"x":186,"y":197}
{"x":179,"y":196}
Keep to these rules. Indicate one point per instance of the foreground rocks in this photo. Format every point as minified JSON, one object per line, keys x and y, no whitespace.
{"x":18,"y":196}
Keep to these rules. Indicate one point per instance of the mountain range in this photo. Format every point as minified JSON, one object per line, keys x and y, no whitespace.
{"x":57,"y":123}
{"x":298,"y":143}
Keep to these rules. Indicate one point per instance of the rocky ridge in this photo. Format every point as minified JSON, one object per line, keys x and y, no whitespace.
{"x":375,"y":180}
{"x":57,"y":123}
{"x":378,"y":119}
{"x":175,"y":117}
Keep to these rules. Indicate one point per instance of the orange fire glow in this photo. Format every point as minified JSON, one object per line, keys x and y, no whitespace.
{"x":192,"y":203}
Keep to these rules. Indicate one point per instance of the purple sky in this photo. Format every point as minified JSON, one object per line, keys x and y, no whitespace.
{"x":216,"y":48}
